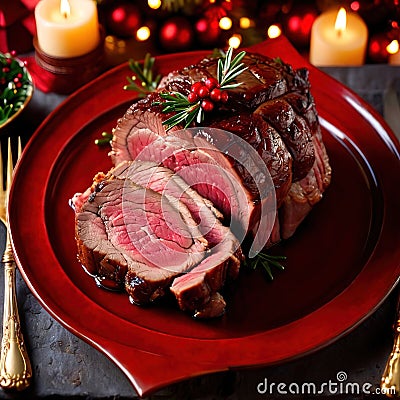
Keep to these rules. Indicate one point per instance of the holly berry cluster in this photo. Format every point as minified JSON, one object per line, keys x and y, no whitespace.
{"x":204,"y":94}
{"x":208,"y":92}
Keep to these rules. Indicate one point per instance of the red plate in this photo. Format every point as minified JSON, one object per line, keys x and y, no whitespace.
{"x":342,"y":262}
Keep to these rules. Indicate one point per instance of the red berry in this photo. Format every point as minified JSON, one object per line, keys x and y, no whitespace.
{"x":18,"y":84}
{"x":203,"y":92}
{"x":192,"y":97}
{"x":13,"y":53}
{"x":224,"y":96}
{"x":215,"y":94}
{"x":16,"y":80}
{"x":211,"y":83}
{"x":207,"y":105}
{"x":196,"y":86}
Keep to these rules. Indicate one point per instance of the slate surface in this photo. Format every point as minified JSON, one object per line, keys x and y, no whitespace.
{"x":65,"y":367}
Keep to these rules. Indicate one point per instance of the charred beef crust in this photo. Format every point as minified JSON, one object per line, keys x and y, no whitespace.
{"x":294,"y":131}
{"x":263,"y":90}
{"x":264,"y":79}
{"x":269,"y":145}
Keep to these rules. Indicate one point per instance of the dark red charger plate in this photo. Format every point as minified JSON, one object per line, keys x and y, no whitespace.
{"x":341,"y":264}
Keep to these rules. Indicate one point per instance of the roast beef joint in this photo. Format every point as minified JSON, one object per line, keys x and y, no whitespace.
{"x":170,"y":219}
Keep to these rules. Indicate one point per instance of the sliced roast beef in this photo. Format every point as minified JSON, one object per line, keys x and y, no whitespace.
{"x":125,"y":228}
{"x":197,"y":161}
{"x":200,"y":293}
{"x":195,"y":291}
{"x":155,"y":228}
{"x":164,"y":181}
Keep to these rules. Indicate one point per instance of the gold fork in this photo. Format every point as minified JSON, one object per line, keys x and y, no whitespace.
{"x":15,"y":367}
{"x":390,"y":382}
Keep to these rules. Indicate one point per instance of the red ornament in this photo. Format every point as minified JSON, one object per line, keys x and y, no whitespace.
{"x":298,"y":23}
{"x":377,"y":52}
{"x":216,"y":12}
{"x":176,"y":34}
{"x":207,"y":31}
{"x":123,"y":19}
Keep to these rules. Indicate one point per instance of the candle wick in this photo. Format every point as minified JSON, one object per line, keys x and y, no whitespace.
{"x":339,"y":33}
{"x":65,"y":15}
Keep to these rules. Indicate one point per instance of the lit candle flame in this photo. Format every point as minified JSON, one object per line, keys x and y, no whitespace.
{"x":65,"y":8}
{"x":274,"y":31}
{"x":245,"y":23}
{"x":341,"y":21}
{"x":143,"y":33}
{"x":235,"y":40}
{"x":393,"y":47}
{"x":225,"y":23}
{"x":154,"y":4}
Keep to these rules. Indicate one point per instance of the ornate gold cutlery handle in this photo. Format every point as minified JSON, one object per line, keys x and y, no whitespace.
{"x":15,"y":367}
{"x":390,"y":382}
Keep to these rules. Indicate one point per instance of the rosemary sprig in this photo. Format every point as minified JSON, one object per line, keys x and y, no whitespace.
{"x":267,"y":262}
{"x":228,"y":69}
{"x":185,"y":110}
{"x":143,"y":81}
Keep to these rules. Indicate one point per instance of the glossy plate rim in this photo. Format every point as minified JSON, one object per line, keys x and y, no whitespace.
{"x":155,"y":349}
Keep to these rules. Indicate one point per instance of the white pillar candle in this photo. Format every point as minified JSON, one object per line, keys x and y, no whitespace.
{"x":332,"y":46}
{"x":394,"y":52}
{"x":394,"y":59}
{"x":67,"y":33}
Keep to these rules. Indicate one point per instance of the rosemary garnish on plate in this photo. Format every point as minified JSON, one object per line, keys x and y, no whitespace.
{"x":143,"y":81}
{"x":267,"y":262}
{"x":204,"y":95}
{"x":104,"y":140}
